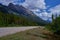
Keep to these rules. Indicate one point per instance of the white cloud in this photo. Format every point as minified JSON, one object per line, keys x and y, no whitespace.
{"x":45,"y":15}
{"x":28,"y":3}
{"x":55,"y":10}
{"x":34,"y":4}
{"x":6,"y":2}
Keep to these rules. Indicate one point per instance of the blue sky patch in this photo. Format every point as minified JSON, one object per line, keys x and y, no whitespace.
{"x":52,"y":3}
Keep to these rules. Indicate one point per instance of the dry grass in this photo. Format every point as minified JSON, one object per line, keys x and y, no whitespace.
{"x":33,"y":34}
{"x":50,"y":35}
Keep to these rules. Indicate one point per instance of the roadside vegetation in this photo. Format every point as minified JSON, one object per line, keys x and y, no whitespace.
{"x":12,"y":20}
{"x":54,"y":27}
{"x":50,"y":32}
{"x":32,"y":34}
{"x":7,"y":20}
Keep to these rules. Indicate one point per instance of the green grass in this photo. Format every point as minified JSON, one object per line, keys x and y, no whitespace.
{"x":33,"y":34}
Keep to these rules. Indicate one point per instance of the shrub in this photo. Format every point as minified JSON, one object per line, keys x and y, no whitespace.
{"x":55,"y":25}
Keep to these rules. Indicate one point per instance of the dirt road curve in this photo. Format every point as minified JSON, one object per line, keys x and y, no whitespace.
{"x":12,"y":30}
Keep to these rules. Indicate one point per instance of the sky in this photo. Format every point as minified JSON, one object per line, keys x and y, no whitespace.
{"x":42,"y":8}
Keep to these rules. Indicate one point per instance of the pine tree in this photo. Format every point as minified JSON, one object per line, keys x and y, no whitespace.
{"x":55,"y":25}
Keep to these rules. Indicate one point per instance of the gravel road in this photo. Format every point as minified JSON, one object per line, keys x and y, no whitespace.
{"x":11,"y":30}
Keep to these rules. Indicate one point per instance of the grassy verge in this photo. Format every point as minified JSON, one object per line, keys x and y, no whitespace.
{"x":33,"y":34}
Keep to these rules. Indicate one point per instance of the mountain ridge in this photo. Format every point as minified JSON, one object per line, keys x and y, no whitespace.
{"x":23,"y":12}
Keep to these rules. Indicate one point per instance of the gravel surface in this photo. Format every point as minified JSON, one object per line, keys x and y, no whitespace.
{"x":11,"y":30}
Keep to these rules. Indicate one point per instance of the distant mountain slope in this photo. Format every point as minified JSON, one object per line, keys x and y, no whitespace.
{"x":20,"y":9}
{"x":24,"y":17}
{"x":3,"y":8}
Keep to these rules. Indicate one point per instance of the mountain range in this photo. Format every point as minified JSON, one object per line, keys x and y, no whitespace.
{"x":22,"y":13}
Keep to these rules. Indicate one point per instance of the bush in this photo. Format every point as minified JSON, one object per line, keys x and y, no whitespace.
{"x":54,"y":26}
